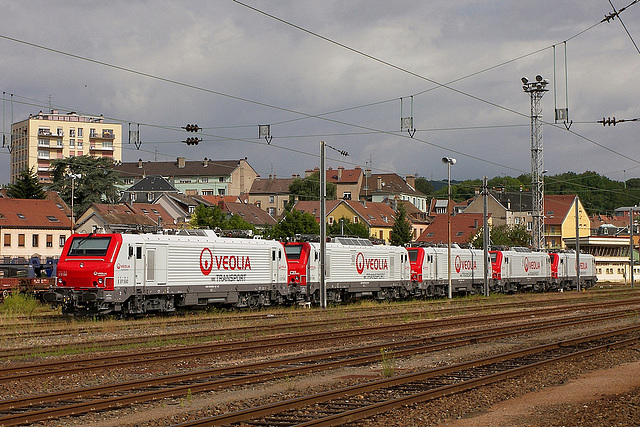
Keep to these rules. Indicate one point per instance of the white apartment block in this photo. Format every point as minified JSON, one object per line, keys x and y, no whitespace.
{"x":42,"y":138}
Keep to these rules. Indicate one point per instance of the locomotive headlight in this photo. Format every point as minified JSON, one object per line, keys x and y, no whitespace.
{"x":100,"y":281}
{"x":60,"y":280}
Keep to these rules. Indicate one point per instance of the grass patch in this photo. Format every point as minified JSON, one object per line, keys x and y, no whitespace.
{"x":388,"y":363}
{"x":21,"y":304}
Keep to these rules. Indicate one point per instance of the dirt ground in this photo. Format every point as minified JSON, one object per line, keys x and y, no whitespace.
{"x":588,"y":388}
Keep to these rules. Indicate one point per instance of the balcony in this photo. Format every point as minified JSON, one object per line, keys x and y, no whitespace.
{"x":105,"y":135}
{"x":94,"y":147}
{"x":47,"y":132}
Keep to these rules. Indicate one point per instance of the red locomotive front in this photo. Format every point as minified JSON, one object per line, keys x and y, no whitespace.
{"x":87,"y":261}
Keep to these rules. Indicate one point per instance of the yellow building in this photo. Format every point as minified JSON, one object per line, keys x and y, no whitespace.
{"x":42,"y":138}
{"x":560,"y":220}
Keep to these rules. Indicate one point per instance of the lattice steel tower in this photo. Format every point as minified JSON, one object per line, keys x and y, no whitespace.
{"x":536,"y":90}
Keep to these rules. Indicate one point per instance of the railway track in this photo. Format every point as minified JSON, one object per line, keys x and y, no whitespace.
{"x":29,"y":327}
{"x":36,"y":408}
{"x":273,"y":326}
{"x":357,"y":402}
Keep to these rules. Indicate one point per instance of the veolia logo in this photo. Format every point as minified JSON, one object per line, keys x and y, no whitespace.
{"x":206,"y":261}
{"x":370,"y":263}
{"x":464,"y":265}
{"x":533,"y":265}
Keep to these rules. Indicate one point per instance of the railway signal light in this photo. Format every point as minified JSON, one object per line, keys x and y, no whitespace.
{"x":192,"y":141}
{"x":191,"y":128}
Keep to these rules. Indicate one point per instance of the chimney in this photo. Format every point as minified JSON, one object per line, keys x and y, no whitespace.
{"x":139,"y":163}
{"x":221,"y":205}
{"x":340,"y":170}
{"x":379,"y":183}
{"x":206,"y":162}
{"x":411,"y":181}
{"x":181,"y":162}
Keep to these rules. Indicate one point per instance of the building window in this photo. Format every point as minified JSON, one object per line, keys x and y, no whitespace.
{"x":220,"y":191}
{"x":346,"y":195}
{"x":271,"y":199}
{"x":221,"y":179}
{"x":43,"y":142}
{"x":72,"y":132}
{"x":128,"y":181}
{"x":62,"y":239}
{"x":150,"y":197}
{"x":21,"y":240}
{"x":34,"y":240}
{"x":272,"y":211}
{"x":204,"y":179}
{"x":79,"y":132}
{"x":7,"y":240}
{"x":355,"y":219}
{"x":43,"y":154}
{"x":382,"y":234}
{"x":79,"y":146}
{"x":72,"y":143}
{"x":49,"y":240}
{"x":331,"y":220}
{"x":258,"y":204}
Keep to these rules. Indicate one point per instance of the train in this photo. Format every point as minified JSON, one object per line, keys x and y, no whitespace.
{"x":32,"y":276}
{"x":137,"y":274}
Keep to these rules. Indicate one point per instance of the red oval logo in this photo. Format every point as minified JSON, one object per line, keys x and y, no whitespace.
{"x":360,"y":263}
{"x":206,"y":261}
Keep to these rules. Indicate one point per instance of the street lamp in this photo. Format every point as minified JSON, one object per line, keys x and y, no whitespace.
{"x":73,"y":177}
{"x":449,"y":161}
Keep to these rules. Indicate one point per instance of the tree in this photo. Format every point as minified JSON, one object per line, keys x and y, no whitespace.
{"x":351,"y":229}
{"x":213,"y":217}
{"x":503,"y":235}
{"x":95,"y":183}
{"x":401,"y":231}
{"x":26,"y":186}
{"x":424,"y":186}
{"x":309,"y":188}
{"x":206,"y":217}
{"x":295,"y":222}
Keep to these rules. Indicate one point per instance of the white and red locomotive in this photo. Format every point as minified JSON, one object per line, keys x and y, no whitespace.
{"x":430,"y":270}
{"x":354,"y":267}
{"x":146,"y":273}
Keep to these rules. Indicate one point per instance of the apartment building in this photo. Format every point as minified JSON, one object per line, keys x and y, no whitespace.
{"x":44,"y":137}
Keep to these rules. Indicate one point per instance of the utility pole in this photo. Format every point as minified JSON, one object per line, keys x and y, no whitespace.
{"x":485,"y":236}
{"x":323,"y":224}
{"x":536,"y":90}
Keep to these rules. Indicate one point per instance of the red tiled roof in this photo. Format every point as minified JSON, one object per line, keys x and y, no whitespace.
{"x":463,"y":227}
{"x":32,"y":213}
{"x":374,"y":214}
{"x":349,"y":176}
{"x":556,"y":208}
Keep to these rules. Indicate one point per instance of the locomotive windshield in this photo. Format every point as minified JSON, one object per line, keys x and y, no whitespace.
{"x":413,"y":255}
{"x":293,"y":251}
{"x":89,"y":246}
{"x":494,"y":256}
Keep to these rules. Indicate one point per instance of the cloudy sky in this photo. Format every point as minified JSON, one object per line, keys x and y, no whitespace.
{"x":344,"y":72}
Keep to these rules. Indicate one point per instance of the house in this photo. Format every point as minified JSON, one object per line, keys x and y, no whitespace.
{"x":379,"y":187}
{"x":180,"y":207}
{"x":377,"y":217}
{"x":250,"y":213}
{"x":147,"y":190}
{"x":124,"y":218}
{"x":612,"y":256}
{"x":560,"y":220}
{"x":32,"y":228}
{"x":464,"y":227}
{"x":272,"y":194}
{"x":419,"y":220}
{"x":348,"y":181}
{"x":208,"y":177}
